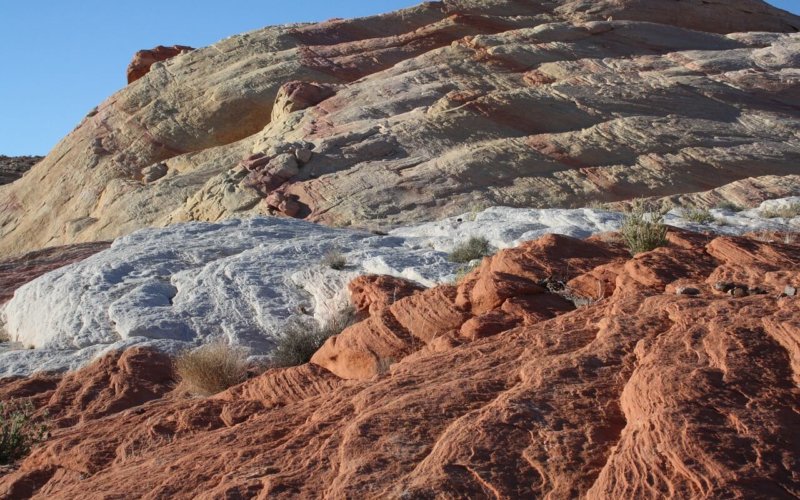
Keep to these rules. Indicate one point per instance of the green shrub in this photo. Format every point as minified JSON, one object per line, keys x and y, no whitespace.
{"x":19,"y":431}
{"x":212,"y":368}
{"x":300,"y":341}
{"x":474,"y":248}
{"x":643,"y":230}
{"x":787,"y":212}
{"x":700,"y":216}
{"x":335,"y":259}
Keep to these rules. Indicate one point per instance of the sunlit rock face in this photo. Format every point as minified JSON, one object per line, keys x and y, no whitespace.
{"x":494,"y":387}
{"x":244,"y":280}
{"x":429,"y":112}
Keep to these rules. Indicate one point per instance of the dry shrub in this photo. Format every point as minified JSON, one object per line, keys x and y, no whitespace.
{"x":785,"y":212}
{"x":335,"y":259}
{"x":300,"y":341}
{"x":474,"y":248}
{"x":643,"y":228}
{"x":697,"y":215}
{"x":729,"y":205}
{"x":212,"y":368}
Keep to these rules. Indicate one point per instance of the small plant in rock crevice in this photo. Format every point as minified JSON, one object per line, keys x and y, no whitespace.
{"x":697,"y":215}
{"x":301,"y":340}
{"x":334,"y":259}
{"x":729,"y":205}
{"x":19,"y":430}
{"x":643,"y":228}
{"x":212,"y":368}
{"x":475,"y":248}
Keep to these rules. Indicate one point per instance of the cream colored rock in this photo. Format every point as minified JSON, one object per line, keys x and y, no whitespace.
{"x":428,"y":112}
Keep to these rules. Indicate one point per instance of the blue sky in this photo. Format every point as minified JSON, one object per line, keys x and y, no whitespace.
{"x":60,"y":58}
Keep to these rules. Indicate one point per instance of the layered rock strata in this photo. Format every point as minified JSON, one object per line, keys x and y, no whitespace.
{"x":495,"y":387}
{"x":428,"y":112}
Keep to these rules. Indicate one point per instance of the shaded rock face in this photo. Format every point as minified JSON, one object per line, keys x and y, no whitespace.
{"x":12,"y":167}
{"x":144,"y":59}
{"x":641,"y":394}
{"x":429,"y":112}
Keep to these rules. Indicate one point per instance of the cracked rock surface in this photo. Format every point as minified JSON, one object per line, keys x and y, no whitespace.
{"x":495,"y":387}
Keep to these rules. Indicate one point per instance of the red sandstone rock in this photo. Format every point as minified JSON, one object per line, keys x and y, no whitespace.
{"x":371,"y":293}
{"x":17,"y":271}
{"x":117,"y":382}
{"x":297,"y":95}
{"x":143,"y":59}
{"x":643,"y":394}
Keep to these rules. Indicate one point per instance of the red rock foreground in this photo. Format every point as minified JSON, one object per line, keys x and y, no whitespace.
{"x":494,"y":388}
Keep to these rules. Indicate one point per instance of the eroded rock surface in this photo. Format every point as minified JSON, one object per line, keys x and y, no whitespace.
{"x":190,"y":283}
{"x":429,"y":112}
{"x":143,"y":60}
{"x":640,"y":394}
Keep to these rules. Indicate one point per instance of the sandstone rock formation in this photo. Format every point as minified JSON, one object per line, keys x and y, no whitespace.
{"x":429,"y":112}
{"x":12,"y":167}
{"x":496,"y":387}
{"x":143,"y":60}
{"x":244,"y":280}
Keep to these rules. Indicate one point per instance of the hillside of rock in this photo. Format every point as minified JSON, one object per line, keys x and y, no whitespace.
{"x":429,"y":112}
{"x":495,"y":387}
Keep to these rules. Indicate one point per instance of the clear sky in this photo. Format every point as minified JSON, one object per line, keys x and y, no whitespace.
{"x":60,"y":58}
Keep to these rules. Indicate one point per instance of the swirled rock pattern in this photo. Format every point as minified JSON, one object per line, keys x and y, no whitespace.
{"x":642,"y":393}
{"x":428,"y":112}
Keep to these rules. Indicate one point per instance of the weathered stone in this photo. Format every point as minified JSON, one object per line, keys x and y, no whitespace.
{"x":430,"y":111}
{"x":14,"y":167}
{"x":587,"y":399}
{"x":154,"y":172}
{"x":144,"y":59}
{"x":303,"y":155}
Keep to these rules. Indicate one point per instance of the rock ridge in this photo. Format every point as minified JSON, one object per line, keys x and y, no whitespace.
{"x":429,"y":112}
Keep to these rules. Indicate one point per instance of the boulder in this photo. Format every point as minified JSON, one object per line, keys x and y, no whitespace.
{"x":144,"y":59}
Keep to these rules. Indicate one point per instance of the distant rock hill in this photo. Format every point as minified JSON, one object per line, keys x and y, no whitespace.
{"x":428,"y":112}
{"x":12,"y":167}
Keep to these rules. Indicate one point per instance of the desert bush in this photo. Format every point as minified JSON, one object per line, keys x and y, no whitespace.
{"x":212,"y":368}
{"x":698,"y":215}
{"x":301,"y":340}
{"x":335,"y":259}
{"x":643,"y":230}
{"x":787,"y":211}
{"x":474,"y":248}
{"x":729,"y":205}
{"x":19,"y":430}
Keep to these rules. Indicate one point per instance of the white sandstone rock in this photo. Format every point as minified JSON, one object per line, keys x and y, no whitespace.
{"x":243,"y":279}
